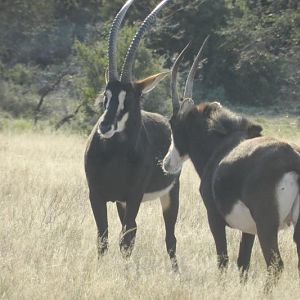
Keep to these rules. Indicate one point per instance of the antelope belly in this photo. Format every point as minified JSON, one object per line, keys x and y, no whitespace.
{"x":157,"y":194}
{"x":240,"y":218}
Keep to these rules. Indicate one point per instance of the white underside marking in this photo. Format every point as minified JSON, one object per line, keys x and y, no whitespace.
{"x":172,"y":162}
{"x":240,"y":218}
{"x":288,"y":199}
{"x":157,"y":194}
{"x":165,"y":201}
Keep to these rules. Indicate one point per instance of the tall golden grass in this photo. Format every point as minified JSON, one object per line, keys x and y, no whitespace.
{"x":48,"y":236}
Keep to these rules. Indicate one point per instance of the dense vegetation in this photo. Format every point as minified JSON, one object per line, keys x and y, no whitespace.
{"x":53,"y":54}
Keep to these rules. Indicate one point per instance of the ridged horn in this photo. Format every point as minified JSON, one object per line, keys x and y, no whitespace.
{"x":174,"y":93}
{"x":112,"y":42}
{"x":188,"y":91}
{"x":126,"y":75}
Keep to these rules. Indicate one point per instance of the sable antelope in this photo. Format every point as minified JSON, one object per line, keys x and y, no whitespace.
{"x":126,"y":147}
{"x":248,"y":182}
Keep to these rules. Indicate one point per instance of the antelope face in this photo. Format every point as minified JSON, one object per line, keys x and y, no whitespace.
{"x":121,"y":90}
{"x":178,"y":150}
{"x":116,"y":110}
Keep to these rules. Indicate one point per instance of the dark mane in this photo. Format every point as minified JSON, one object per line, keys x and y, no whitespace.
{"x":225,"y":122}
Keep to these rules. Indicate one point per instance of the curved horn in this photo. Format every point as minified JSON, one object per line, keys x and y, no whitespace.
{"x":112,"y":42}
{"x":188,"y":91}
{"x":175,"y":98}
{"x":126,"y":75}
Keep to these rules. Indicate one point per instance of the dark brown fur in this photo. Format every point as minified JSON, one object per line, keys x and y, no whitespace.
{"x":234,"y":163}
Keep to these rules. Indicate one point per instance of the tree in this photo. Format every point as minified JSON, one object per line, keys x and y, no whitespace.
{"x":138,"y":11}
{"x":181,"y":24}
{"x":251,"y":61}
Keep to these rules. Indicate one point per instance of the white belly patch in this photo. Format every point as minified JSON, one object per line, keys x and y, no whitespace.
{"x":288,"y":200}
{"x":157,"y":194}
{"x":240,"y":218}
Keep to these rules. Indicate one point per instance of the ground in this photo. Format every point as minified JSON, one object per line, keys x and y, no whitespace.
{"x":48,"y":235}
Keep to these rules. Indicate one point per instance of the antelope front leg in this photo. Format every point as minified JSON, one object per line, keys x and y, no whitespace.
{"x":100,"y":214}
{"x":121,"y":207}
{"x":127,"y":238}
{"x":217,"y":227}
{"x":170,"y":203}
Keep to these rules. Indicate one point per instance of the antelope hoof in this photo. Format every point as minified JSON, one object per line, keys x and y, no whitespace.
{"x":174,"y":264}
{"x":222,"y":263}
{"x":243,"y":276}
{"x":126,"y":251}
{"x":126,"y":244}
{"x":102,"y":250}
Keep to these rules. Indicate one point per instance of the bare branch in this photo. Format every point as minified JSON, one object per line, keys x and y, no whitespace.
{"x":68,"y":117}
{"x":46,"y":90}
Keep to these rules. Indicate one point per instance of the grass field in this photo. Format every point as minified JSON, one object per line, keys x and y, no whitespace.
{"x":48,"y":235}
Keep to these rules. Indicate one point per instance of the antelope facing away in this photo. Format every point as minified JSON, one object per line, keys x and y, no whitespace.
{"x":248,"y":182}
{"x":126,"y":147}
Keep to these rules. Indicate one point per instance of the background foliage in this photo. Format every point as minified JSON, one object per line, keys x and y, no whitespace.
{"x":53,"y":52}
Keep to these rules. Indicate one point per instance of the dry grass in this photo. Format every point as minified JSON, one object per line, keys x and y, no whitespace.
{"x":48,"y":247}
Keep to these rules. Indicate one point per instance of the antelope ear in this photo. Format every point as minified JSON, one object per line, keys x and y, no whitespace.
{"x":254,"y":130}
{"x":148,"y":84}
{"x":186,"y":104}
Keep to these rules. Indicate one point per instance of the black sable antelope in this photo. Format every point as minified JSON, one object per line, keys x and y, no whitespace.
{"x":248,"y":182}
{"x":126,"y":147}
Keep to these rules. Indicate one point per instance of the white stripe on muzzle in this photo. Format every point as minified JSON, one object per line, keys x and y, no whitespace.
{"x":172,"y":162}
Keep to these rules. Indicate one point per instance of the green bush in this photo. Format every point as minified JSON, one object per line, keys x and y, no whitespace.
{"x":21,"y":74}
{"x":255,"y":57}
{"x":15,"y":100}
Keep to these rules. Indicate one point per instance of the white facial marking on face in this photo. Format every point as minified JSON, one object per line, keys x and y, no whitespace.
{"x":122,"y":123}
{"x":172,"y":162}
{"x":121,"y":98}
{"x":101,"y":120}
{"x":108,"y":94}
{"x":108,"y":134}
